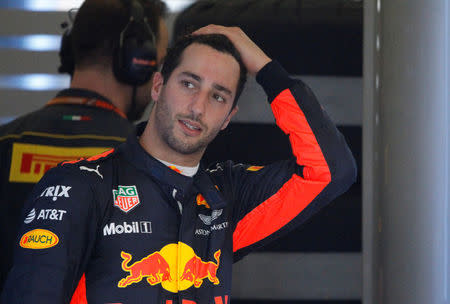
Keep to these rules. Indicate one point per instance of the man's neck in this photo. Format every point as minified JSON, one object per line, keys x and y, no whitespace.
{"x":105,"y":84}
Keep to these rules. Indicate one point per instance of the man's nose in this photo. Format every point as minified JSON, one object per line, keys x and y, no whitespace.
{"x":198,"y":103}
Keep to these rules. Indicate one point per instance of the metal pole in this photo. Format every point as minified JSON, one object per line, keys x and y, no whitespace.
{"x":406,"y":124}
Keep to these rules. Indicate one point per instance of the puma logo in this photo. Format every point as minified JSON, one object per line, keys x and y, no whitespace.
{"x":92,"y":170}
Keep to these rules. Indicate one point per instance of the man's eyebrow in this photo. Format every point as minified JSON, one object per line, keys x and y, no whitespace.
{"x":216,"y":86}
{"x":192,"y":75}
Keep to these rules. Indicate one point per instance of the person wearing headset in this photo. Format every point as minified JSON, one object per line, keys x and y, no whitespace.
{"x":111,"y":52}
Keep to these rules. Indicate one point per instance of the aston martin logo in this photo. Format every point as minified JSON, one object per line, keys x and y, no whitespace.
{"x":208,"y":219}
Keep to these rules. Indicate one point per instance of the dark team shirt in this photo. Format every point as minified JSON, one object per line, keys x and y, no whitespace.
{"x":76,"y":123}
{"x":136,"y":231}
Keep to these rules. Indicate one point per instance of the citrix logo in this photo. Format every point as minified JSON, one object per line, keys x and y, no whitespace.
{"x":56,"y":191}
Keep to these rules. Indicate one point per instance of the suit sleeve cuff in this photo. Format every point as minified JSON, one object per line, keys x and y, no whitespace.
{"x":274,"y":79}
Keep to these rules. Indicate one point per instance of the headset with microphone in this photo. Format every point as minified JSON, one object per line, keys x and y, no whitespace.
{"x":134,"y":58}
{"x":65,"y":52}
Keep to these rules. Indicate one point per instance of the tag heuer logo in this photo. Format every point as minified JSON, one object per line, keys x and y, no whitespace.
{"x":126,"y":198}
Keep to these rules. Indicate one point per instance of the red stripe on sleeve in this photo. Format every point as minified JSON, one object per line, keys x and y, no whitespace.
{"x":295,"y":195}
{"x":92,"y":158}
{"x":104,"y":154}
{"x":79,"y":296}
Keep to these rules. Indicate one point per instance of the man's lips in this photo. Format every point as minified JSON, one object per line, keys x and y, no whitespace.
{"x":190,"y":127}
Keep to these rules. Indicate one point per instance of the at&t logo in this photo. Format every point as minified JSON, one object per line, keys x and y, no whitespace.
{"x":45,"y":214}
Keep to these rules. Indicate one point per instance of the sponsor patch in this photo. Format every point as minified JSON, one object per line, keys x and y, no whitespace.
{"x":29,"y":162}
{"x":254,"y":168}
{"x":204,"y":232}
{"x":126,"y":198}
{"x":208,"y":219}
{"x":201,"y":201}
{"x":216,"y":227}
{"x":30,"y":217}
{"x":92,"y":170}
{"x":56,"y":192}
{"x":51,"y":214}
{"x":176,"y":267}
{"x":39,"y":239}
{"x":45,"y":214}
{"x":133,"y":227}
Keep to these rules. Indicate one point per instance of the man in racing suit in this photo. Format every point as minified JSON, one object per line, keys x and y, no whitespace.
{"x":145,"y":223}
{"x":92,"y":116}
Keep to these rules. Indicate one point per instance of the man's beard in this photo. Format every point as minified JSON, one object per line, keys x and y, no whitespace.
{"x":166,"y":127}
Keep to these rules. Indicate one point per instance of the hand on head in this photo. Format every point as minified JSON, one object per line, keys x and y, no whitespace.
{"x":253,"y":57}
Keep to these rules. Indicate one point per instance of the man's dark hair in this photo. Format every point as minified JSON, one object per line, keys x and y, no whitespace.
{"x":98,"y":24}
{"x":218,"y":42}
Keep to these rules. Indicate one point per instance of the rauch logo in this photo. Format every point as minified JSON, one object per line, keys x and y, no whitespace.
{"x":39,"y":239}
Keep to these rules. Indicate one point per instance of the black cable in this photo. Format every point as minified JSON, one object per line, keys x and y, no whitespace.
{"x":132,"y":110}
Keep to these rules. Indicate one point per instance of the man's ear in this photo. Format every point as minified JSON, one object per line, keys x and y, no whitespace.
{"x":157,"y":85}
{"x":230,"y":115}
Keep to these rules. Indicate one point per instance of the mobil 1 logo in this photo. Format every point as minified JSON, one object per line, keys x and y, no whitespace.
{"x":127,"y":228}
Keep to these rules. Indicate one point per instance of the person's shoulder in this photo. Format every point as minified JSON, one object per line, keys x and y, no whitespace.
{"x":17,"y":125}
{"x":92,"y":171}
{"x":226,"y":167}
{"x":232,"y":170}
{"x":219,"y":167}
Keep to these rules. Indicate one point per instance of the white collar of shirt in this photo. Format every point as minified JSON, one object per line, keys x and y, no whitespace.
{"x":187,"y":171}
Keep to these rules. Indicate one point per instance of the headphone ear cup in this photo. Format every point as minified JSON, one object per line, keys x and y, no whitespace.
{"x":134,"y":61}
{"x":66,"y":56}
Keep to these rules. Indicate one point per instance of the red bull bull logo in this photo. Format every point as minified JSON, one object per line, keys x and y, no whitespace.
{"x":176,"y":267}
{"x":201,"y":201}
{"x":196,"y":270}
{"x":153,"y":267}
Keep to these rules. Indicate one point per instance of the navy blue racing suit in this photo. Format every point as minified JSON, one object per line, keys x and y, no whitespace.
{"x":139,"y":232}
